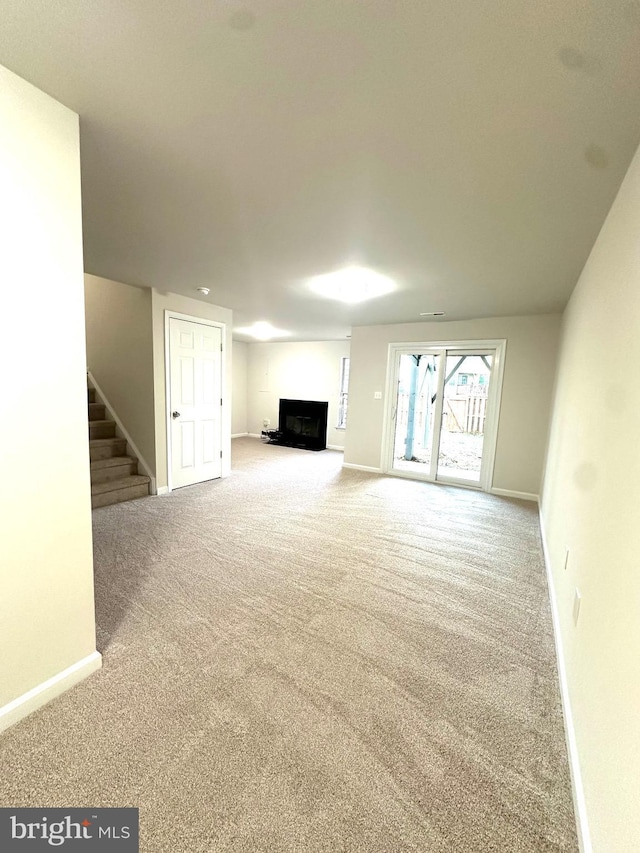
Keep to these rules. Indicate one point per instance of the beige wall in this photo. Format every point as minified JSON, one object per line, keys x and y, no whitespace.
{"x":194,"y":308}
{"x":46,"y":568}
{"x":239,"y":390}
{"x":298,"y":371}
{"x":526,"y":395}
{"x":591,"y":505}
{"x":120,"y":355}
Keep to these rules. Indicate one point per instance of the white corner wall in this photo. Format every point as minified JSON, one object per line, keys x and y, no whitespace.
{"x":591,"y":505}
{"x":47,"y":627}
{"x":532,"y":345}
{"x":239,"y":391}
{"x":120,"y":355}
{"x":296,"y":371}
{"x":162,"y":302}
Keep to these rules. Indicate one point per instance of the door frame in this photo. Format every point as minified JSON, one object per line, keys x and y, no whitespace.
{"x":176,"y":315}
{"x":493,"y":406}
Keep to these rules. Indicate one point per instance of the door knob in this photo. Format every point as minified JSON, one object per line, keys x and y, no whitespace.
{"x":175,"y":415}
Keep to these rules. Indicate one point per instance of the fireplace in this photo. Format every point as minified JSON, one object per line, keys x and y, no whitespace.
{"x":303,"y":423}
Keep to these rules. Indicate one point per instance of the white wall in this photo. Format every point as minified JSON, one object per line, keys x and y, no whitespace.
{"x":297,"y":371}
{"x":160,"y":303}
{"x":46,"y":566}
{"x":591,"y":504}
{"x":120,"y":355}
{"x":239,"y":390}
{"x":532,"y":344}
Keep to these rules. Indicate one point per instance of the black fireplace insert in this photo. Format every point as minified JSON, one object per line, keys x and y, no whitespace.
{"x":302,"y":423}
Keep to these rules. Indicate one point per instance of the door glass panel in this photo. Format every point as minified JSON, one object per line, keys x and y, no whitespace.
{"x":464,"y":412}
{"x":414,"y":415}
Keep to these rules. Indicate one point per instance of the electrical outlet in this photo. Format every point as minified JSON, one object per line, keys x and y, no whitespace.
{"x":377,"y":395}
{"x":266,"y":422}
{"x":566,"y":559}
{"x":577,"y":598}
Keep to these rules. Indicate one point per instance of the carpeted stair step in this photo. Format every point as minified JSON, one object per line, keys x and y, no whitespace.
{"x":106,"y":448}
{"x":102,"y":429}
{"x":114,"y":468}
{"x":96,"y":412}
{"x":116,"y":491}
{"x":114,"y":475}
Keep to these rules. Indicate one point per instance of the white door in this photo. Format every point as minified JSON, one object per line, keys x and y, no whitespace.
{"x":444,"y":416}
{"x":195,"y":398}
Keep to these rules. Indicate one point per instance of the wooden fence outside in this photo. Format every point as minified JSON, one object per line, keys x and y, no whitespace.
{"x":462,"y":413}
{"x":465,"y":414}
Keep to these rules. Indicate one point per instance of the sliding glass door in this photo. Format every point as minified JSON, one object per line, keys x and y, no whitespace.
{"x":443,"y":418}
{"x":415,"y":411}
{"x":464,"y":416}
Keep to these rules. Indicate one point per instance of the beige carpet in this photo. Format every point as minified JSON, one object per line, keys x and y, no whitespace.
{"x":305,"y":658}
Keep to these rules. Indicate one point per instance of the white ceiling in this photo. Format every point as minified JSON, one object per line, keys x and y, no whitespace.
{"x":469,"y":149}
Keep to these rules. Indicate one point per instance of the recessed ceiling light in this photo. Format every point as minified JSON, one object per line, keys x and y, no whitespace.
{"x":351,"y":285}
{"x":432,"y":314}
{"x":262,"y":331}
{"x":203,"y":290}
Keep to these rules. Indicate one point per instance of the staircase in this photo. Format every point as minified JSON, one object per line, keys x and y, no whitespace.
{"x":114,"y":474}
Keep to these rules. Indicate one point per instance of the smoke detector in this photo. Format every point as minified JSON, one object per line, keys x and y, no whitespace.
{"x":203,"y":290}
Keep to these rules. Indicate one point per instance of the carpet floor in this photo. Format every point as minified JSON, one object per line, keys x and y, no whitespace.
{"x":306,"y":658}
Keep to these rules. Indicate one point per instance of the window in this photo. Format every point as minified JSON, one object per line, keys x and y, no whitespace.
{"x":344,"y":391}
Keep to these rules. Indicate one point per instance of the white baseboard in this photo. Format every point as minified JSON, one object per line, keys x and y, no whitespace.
{"x":508,"y":493}
{"x":48,"y":690}
{"x":579,"y":803}
{"x":239,"y":434}
{"x":163,"y":490}
{"x":335,"y":447}
{"x":362,"y":468}
{"x":254,"y":435}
